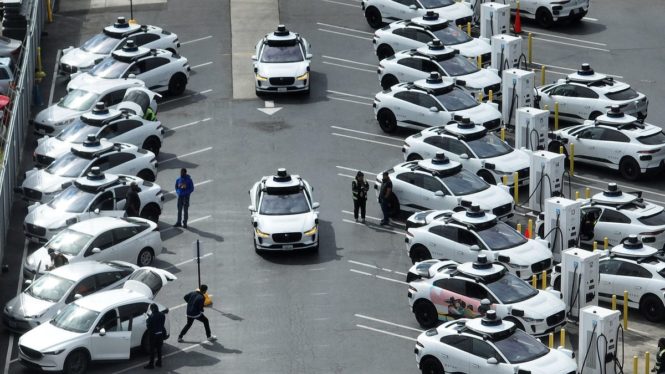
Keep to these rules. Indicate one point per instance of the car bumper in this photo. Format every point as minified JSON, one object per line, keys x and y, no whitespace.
{"x":18,"y":325}
{"x":650,"y":165}
{"x":568,"y":11}
{"x":45,"y":363}
{"x":541,"y":329}
{"x":295,"y":86}
{"x":41,"y":129}
{"x":268,"y":244}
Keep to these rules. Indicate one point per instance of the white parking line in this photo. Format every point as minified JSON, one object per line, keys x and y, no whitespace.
{"x":377,"y":276}
{"x":185,"y":97}
{"x":366,"y":140}
{"x":348,"y":94}
{"x":54,"y":76}
{"x":572,"y":45}
{"x":368,"y":133}
{"x":197,"y":184}
{"x":372,"y":227}
{"x":202,"y":65}
{"x":345,"y":34}
{"x":354,"y":170}
{"x":349,"y":61}
{"x":349,"y":67}
{"x":565,"y":38}
{"x":375,"y":267}
{"x":185,"y":155}
{"x":387,"y":332}
{"x":590,"y":19}
{"x":10,"y":344}
{"x":340,"y":3}
{"x":189,"y":124}
{"x":348,"y":101}
{"x":196,"y":40}
{"x":187,"y":261}
{"x":376,"y":219}
{"x":131,"y":368}
{"x":190,"y":222}
{"x":345,"y":28}
{"x":388,"y":322}
{"x":569,"y":69}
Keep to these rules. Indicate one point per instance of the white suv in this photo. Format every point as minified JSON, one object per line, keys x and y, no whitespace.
{"x":546,"y":12}
{"x":379,"y":11}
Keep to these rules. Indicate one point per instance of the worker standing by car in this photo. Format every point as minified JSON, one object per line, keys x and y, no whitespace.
{"x":184,"y":186}
{"x":385,"y":195}
{"x":155,"y":325}
{"x":132,"y":201}
{"x":359,"y":187}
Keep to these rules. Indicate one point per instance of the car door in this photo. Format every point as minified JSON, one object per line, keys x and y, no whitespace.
{"x":154,"y":72}
{"x":120,"y":193}
{"x":449,"y":248}
{"x":482,"y":351}
{"x":407,"y":109}
{"x":561,"y":94}
{"x":133,"y":318}
{"x":407,"y":38}
{"x":398,"y":9}
{"x":433,"y":145}
{"x":585,"y":102}
{"x":123,"y":131}
{"x":475,"y":293}
{"x":587,"y":146}
{"x":447,"y":296}
{"x":103,"y":242}
{"x":109,"y":341}
{"x":410,"y":69}
{"x":435,"y":195}
{"x":121,"y":163}
{"x":84,"y":287}
{"x":468,"y":239}
{"x":431,"y":111}
{"x":105,"y":205}
{"x":611,"y":147}
{"x":126,"y":249}
{"x":631,"y":277}
{"x":589,"y":232}
{"x":407,"y":189}
{"x":614,"y":226}
{"x":454,"y":356}
{"x":109,"y":279}
{"x":610,"y":282}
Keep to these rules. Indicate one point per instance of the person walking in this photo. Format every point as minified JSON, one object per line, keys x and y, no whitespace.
{"x":155,"y":325}
{"x":132,"y":201}
{"x":359,"y":186}
{"x":385,"y":195}
{"x":184,"y":186}
{"x":659,"y":368}
{"x":195,"y":301}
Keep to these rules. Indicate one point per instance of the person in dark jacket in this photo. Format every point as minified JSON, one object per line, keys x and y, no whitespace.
{"x":385,"y":197}
{"x":359,"y":187}
{"x":659,"y":368}
{"x":195,"y":300}
{"x":184,"y":186}
{"x":156,"y":332}
{"x":132,"y":201}
{"x":57,"y":259}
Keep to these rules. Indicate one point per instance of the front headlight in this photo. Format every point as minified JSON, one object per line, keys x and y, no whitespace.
{"x":260,"y":78}
{"x":529,"y":319}
{"x":261,"y":234}
{"x":312,"y":231}
{"x":303,"y":77}
{"x":63,"y":123}
{"x":54,"y":352}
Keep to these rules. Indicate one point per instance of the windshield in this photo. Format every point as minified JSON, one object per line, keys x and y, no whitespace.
{"x":657,"y":219}
{"x":75,"y":318}
{"x":627,"y":94}
{"x":431,"y":4}
{"x":49,"y":287}
{"x":510,"y":290}
{"x":72,"y":200}
{"x":653,"y":139}
{"x":464,"y":183}
{"x":77,"y":132}
{"x":109,"y":68}
{"x":521,"y":347}
{"x":289,"y":53}
{"x":68,"y":242}
{"x":452,"y":35}
{"x":101,"y":44}
{"x":457,"y":99}
{"x":78,"y":100}
{"x":68,"y":165}
{"x":501,"y":236}
{"x":489,"y":146}
{"x":457,"y":66}
{"x":283,"y":204}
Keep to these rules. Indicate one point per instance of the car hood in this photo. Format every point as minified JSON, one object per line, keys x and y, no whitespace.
{"x":555,"y":362}
{"x":480,"y":113}
{"x":40,"y":258}
{"x":511,"y":162}
{"x":44,"y":182}
{"x":55,"y":114}
{"x":473,"y":48}
{"x":528,"y":253}
{"x":541,"y":306}
{"x":80,"y":58}
{"x":81,"y":81}
{"x":25,"y":305}
{"x":290,"y":69}
{"x":290,"y":223}
{"x":453,"y":12}
{"x":52,"y":147}
{"x":490,"y":198}
{"x":45,"y":337}
{"x":481,"y":79}
{"x":45,"y":216}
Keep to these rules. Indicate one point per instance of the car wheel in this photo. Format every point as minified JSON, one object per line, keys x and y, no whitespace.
{"x":629,"y":168}
{"x":487,"y":176}
{"x":414,"y":157}
{"x":595,"y":115}
{"x":146,"y":175}
{"x":544,"y":18}
{"x":152,"y":144}
{"x":425,"y":313}
{"x":385,"y":51}
{"x":258,"y":251}
{"x":517,"y":323}
{"x":387,"y":121}
{"x":652,"y":308}
{"x":177,"y":84}
{"x":76,"y":362}
{"x":419,"y":253}
{"x":151,"y":212}
{"x":145,"y":258}
{"x":431,"y":366}
{"x":388,"y":81}
{"x":373,"y":16}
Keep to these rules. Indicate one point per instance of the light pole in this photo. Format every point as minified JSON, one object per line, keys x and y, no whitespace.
{"x":131,"y":12}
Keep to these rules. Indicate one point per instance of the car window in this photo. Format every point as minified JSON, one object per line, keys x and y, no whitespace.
{"x":429,"y":66}
{"x":119,"y":159}
{"x":103,"y":202}
{"x":411,"y":178}
{"x":585,"y":92}
{"x":103,"y":241}
{"x":431,"y":184}
{"x":113,"y":98}
{"x":426,"y":101}
{"x":102,"y":163}
{"x":149,"y":278}
{"x":614,"y":136}
{"x":457,"y":147}
{"x":408,"y":96}
{"x":468,"y":238}
{"x":609,"y":267}
{"x":405,"y":2}
{"x":121,"y":193}
{"x":410,"y":62}
{"x":460,"y":342}
{"x":448,"y":232}
{"x":563,"y":90}
{"x":109,"y":321}
{"x":123,"y":233}
{"x":653,"y":139}
{"x":119,"y":128}
{"x":457,"y":286}
{"x":407,"y":33}
{"x":129,"y":312}
{"x":476,"y":291}
{"x":593,"y":133}
{"x":627,"y":94}
{"x":423,"y":37}
{"x":155,"y":62}
{"x":628,"y":269}
{"x":84,"y":288}
{"x":142,"y":38}
{"x":107,"y":278}
{"x":4,"y":74}
{"x":438,"y":141}
{"x":484,"y":350}
{"x":610,"y":215}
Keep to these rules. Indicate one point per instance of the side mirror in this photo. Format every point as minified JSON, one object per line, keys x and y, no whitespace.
{"x":27,"y":282}
{"x":413,"y":7}
{"x":254,"y":58}
{"x":96,"y":250}
{"x":96,"y":211}
{"x":492,"y":361}
{"x":433,"y":109}
{"x":102,"y":332}
{"x":439,"y":193}
{"x":517,"y":312}
{"x":256,"y":224}
{"x":503,"y":258}
{"x":316,"y":205}
{"x":77,"y":296}
{"x":131,"y":76}
{"x":464,"y":156}
{"x":309,"y":56}
{"x":474,"y":247}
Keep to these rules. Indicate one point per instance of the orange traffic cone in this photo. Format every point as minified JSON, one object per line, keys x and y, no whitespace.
{"x":517,"y":27}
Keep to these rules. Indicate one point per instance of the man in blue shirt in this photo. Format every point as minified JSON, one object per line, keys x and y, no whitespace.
{"x":184,"y":186}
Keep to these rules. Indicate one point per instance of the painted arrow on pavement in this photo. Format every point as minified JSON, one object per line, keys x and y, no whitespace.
{"x":270,"y":108}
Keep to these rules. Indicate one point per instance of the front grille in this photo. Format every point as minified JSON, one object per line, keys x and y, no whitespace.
{"x":68,"y":68}
{"x":287,"y":237}
{"x":541,"y":265}
{"x":523,"y":173}
{"x":555,"y":319}
{"x":32,"y":194}
{"x":493,"y":124}
{"x":35,"y":230}
{"x":45,"y":129}
{"x":15,"y":324}
{"x":44,"y":160}
{"x":282,"y":81}
{"x":502,"y":210}
{"x":495,"y":88}
{"x":463,"y":21}
{"x":30,"y":352}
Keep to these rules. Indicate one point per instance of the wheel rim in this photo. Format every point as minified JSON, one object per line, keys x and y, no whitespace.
{"x":387,"y":124}
{"x":425,"y":316}
{"x":76,"y":364}
{"x":630,"y":170}
{"x":146,"y":258}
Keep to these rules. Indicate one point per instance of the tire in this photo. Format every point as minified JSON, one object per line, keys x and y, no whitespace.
{"x":151,"y":212}
{"x":517,"y":323}
{"x":487,"y":176}
{"x":152,"y":144}
{"x":387,"y":121}
{"x":544,"y":18}
{"x":652,"y":308}
{"x":145,"y":257}
{"x":594,"y":115}
{"x":578,"y":17}
{"x":388,"y":81}
{"x":76,"y":362}
{"x":431,"y":366}
{"x":177,"y":84}
{"x":384,"y":51}
{"x":419,"y":253}
{"x":414,"y":157}
{"x":373,"y":17}
{"x":146,"y":175}
{"x":629,"y":168}
{"x":425,"y":313}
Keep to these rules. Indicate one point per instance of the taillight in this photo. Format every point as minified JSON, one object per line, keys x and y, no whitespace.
{"x":653,"y":233}
{"x":649,"y":152}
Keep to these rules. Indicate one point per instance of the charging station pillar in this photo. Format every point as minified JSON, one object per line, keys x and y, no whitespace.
{"x":494,"y":19}
{"x":598,"y":337}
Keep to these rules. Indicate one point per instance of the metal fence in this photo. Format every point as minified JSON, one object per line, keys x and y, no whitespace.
{"x":15,"y":123}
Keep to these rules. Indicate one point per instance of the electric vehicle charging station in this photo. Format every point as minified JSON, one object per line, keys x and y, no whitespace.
{"x":580,"y":279}
{"x":599,"y":337}
{"x":531,"y":129}
{"x":494,"y":19}
{"x":506,"y":51}
{"x":545,"y":177}
{"x":562,"y":222}
{"x":516,"y":92}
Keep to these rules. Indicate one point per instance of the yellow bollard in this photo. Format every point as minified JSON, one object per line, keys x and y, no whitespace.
{"x":39,"y":74}
{"x":529,"y":227}
{"x":468,"y":28}
{"x":587,"y":193}
{"x":49,"y":11}
{"x":562,"y":338}
{"x":542,"y":75}
{"x":551,"y":340}
{"x":516,"y":192}
{"x":480,"y":62}
{"x":577,"y":195}
{"x":560,"y":149}
{"x":614,"y":302}
{"x":530,"y":49}
{"x":595,"y":245}
{"x":490,"y":98}
{"x":519,"y":228}
{"x":534,"y":281}
{"x":572,"y":159}
{"x":504,"y":179}
{"x":606,"y":242}
{"x":647,"y":359}
{"x":556,"y":116}
{"x":625,"y":310}
{"x":503,"y":133}
{"x":480,"y":96}
{"x":544,"y":280}
{"x":635,"y":364}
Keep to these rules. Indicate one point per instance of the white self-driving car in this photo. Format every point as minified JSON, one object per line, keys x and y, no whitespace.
{"x":112,"y":93}
{"x":117,"y":158}
{"x":284,"y":214}
{"x":479,"y":151}
{"x":547,"y":12}
{"x":132,"y":239}
{"x":282,"y":62}
{"x":101,"y":123}
{"x":616,"y":141}
{"x":159,"y":69}
{"x":379,"y":11}
{"x":416,"y":33}
{"x":96,"y":194}
{"x":465,"y":234}
{"x":440,"y":183}
{"x":112,"y":37}
{"x":586,"y":95}
{"x":430,"y":102}
{"x":104,"y":326}
{"x":413,"y":65}
{"x":488,"y":345}
{"x":446,"y":290}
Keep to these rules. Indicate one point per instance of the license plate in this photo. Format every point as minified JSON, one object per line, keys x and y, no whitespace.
{"x":281,"y":89}
{"x":288,"y":246}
